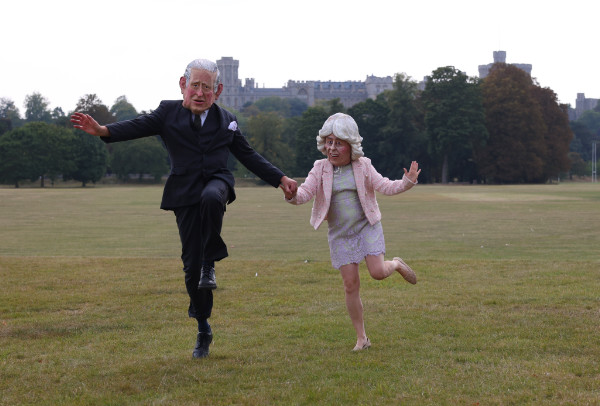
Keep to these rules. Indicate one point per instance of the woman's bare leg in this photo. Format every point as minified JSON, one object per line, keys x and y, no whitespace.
{"x":353,"y":303}
{"x":378,"y":268}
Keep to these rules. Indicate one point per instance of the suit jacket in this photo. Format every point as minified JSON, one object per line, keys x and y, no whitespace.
{"x":319,"y":184}
{"x":196,"y":156}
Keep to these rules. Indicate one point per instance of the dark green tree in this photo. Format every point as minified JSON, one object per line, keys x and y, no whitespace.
{"x":578,"y":166}
{"x":274,"y":104}
{"x":558,"y":134}
{"x":371,"y":117}
{"x":332,"y":106}
{"x":582,"y":140}
{"x":5,"y":125}
{"x":92,"y":105}
{"x":123,"y":110}
{"x":9,"y":113}
{"x":36,"y":108}
{"x":90,"y":157}
{"x":591,"y":119}
{"x":454,"y":121}
{"x":306,"y":139}
{"x":403,"y":138}
{"x":288,"y":135}
{"x":297,"y":107}
{"x":16,"y":160}
{"x":141,"y":156}
{"x":264,"y":132}
{"x":37,"y":150}
{"x":286,"y":108}
{"x":59,"y":118}
{"x":516,"y":149}
{"x":54,"y":150}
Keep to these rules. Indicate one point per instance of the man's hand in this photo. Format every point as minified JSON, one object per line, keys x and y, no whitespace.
{"x":289,"y":187}
{"x":414,"y":172}
{"x":86,"y":123}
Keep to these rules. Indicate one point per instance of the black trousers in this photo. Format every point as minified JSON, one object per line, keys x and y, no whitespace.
{"x":200,"y":233}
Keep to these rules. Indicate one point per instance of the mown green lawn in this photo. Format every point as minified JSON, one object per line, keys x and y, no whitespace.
{"x":506,"y":311}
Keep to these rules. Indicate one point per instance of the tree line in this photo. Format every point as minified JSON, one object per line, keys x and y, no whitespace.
{"x":504,"y":128}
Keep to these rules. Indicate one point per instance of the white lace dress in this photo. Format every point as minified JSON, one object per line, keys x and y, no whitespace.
{"x":351,"y":237}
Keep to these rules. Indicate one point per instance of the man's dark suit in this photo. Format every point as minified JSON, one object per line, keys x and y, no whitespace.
{"x":198,"y":167}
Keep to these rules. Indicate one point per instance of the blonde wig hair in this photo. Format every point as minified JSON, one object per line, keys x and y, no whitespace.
{"x":343,"y":127}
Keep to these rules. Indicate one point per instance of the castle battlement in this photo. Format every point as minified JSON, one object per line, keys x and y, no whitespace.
{"x":349,"y":92}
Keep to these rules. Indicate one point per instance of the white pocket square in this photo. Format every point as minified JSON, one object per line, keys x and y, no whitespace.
{"x":232,"y":126}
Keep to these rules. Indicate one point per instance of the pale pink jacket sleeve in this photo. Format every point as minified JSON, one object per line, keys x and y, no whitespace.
{"x":368,"y":180}
{"x":318,"y":184}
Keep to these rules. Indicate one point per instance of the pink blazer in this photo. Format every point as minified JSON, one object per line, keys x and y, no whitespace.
{"x":319,"y":184}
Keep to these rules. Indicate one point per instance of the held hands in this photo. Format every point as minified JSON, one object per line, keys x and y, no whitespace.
{"x":289,"y":187}
{"x":86,"y":123}
{"x":413,"y":173}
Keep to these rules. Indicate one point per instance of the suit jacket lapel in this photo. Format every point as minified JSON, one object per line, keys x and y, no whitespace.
{"x":219,"y":127}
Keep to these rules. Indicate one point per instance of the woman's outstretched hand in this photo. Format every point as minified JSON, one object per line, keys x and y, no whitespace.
{"x":413,"y":173}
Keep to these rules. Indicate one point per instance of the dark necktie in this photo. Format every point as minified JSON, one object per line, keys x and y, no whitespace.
{"x":197,"y":122}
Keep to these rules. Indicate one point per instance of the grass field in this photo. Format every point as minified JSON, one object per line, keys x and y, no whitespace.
{"x":506,"y":311}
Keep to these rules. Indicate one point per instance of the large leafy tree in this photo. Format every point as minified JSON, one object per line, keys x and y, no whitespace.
{"x":90,"y":157}
{"x":591,"y":119}
{"x":402,"y":139}
{"x":60,"y":118}
{"x":16,"y":160}
{"x":9,"y":114}
{"x":5,"y":125}
{"x":265,"y":134}
{"x":297,"y":107}
{"x":582,"y":140}
{"x":123,"y":110}
{"x":285,"y":107}
{"x":371,"y":118}
{"x":516,"y":149}
{"x":268,"y":104}
{"x":455,"y":122}
{"x":36,"y":150}
{"x":332,"y":106}
{"x":36,"y":108}
{"x":558,"y":134}
{"x":306,"y":138}
{"x":141,"y":156}
{"x":92,"y":105}
{"x":578,"y":165}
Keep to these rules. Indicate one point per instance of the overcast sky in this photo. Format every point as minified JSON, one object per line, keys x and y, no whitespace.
{"x":65,"y":49}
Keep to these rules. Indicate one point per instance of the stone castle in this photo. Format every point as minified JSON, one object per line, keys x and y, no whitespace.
{"x":500,"y":57}
{"x":582,"y":104}
{"x":235,"y":95}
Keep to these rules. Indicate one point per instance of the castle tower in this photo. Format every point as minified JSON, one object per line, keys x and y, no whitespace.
{"x":500,"y":57}
{"x":228,"y":67}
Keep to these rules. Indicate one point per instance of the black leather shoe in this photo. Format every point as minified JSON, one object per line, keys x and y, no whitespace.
{"x":202,"y":343}
{"x":207,"y":278}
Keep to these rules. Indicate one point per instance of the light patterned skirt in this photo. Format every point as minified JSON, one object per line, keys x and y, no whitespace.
{"x":351,"y":237}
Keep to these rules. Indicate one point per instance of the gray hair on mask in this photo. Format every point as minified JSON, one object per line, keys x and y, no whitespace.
{"x":203,"y":64}
{"x":345,"y":128}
